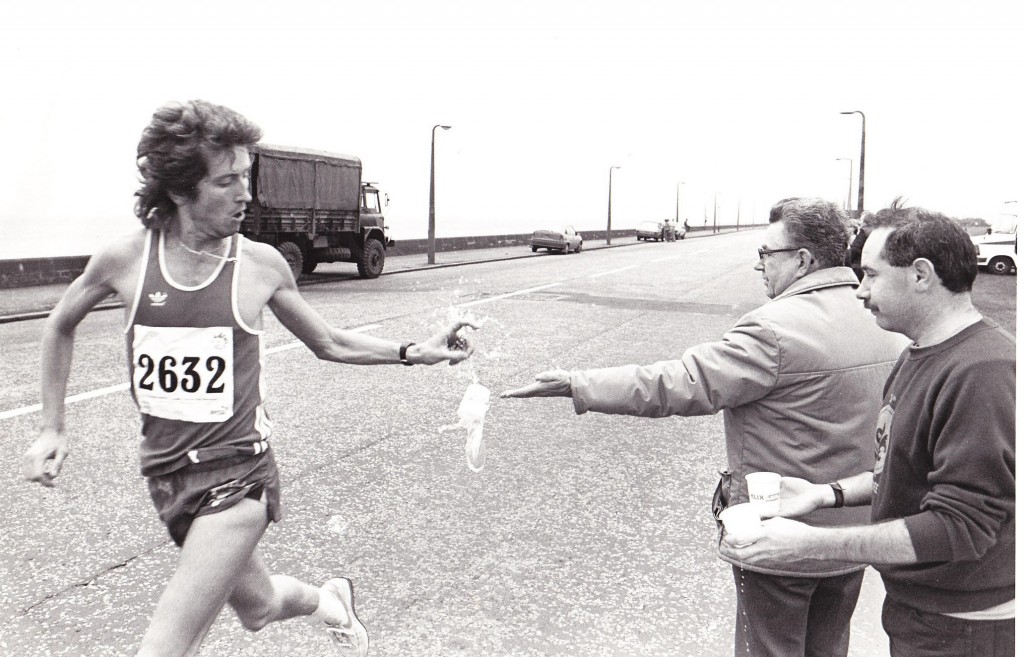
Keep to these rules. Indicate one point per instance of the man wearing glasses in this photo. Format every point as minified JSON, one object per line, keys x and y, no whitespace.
{"x":942,"y":490}
{"x":799,"y":381}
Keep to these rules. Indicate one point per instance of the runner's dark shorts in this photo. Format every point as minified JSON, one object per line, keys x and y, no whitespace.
{"x":197,"y":490}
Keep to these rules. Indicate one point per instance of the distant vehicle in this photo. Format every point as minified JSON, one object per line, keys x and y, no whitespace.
{"x":649,"y":230}
{"x":314,"y":207}
{"x":997,"y":252}
{"x":562,"y":240}
{"x":680,"y":229}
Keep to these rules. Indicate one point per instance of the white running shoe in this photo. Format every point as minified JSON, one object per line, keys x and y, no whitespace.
{"x":350,"y":637}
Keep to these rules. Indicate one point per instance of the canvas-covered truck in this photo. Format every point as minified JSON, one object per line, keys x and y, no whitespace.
{"x":314,"y":207}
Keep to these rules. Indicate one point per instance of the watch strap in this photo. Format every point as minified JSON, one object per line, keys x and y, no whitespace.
{"x":403,"y":353}
{"x":837,"y":490}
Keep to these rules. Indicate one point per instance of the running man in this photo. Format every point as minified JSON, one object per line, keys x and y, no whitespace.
{"x":194,"y":292}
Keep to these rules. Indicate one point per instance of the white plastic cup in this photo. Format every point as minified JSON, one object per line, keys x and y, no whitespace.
{"x":742,"y":522}
{"x":476,"y":452}
{"x":764,"y":489}
{"x":472,"y":410}
{"x":474,"y":404}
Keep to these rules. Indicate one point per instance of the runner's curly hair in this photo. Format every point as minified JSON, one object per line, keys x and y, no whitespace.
{"x":174,"y":149}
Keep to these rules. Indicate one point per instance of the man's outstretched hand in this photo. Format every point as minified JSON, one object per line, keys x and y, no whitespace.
{"x":553,"y":383}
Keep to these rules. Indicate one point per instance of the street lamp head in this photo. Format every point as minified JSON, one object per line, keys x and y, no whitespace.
{"x":446,"y":127}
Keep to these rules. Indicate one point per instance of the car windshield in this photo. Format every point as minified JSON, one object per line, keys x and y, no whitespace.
{"x":1004,"y":224}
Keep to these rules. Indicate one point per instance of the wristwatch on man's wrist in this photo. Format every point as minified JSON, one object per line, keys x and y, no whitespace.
{"x":837,"y":490}
{"x":403,"y":353}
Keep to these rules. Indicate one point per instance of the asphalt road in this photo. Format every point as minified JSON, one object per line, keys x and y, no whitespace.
{"x":583,"y":535}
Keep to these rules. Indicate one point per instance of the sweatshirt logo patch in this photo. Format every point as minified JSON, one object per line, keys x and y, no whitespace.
{"x":882,"y":433}
{"x":157,"y":298}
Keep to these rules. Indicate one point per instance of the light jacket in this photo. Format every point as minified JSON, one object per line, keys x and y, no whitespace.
{"x":800,"y":383}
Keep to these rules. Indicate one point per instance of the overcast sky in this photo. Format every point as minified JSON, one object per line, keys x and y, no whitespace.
{"x":740,"y":98}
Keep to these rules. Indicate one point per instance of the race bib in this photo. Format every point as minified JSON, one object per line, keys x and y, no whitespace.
{"x":184,"y":373}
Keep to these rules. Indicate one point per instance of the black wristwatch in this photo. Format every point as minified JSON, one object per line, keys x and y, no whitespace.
{"x":402,"y":353}
{"x":837,"y":489}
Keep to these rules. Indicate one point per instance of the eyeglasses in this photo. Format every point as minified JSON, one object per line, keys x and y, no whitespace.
{"x":765,"y":251}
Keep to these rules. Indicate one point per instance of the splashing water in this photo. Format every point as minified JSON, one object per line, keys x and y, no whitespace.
{"x":471,"y":412}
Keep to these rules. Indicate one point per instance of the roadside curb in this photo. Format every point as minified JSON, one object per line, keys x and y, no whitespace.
{"x":43,"y":314}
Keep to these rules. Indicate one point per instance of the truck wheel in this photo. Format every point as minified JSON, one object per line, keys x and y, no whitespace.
{"x":371,"y":262}
{"x":308,"y":265}
{"x":534,"y":249}
{"x":293,"y":256}
{"x":1000,"y":265}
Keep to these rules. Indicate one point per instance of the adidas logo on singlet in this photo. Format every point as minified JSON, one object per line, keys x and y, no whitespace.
{"x":157,"y":298}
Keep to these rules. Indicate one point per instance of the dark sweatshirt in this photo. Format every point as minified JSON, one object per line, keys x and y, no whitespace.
{"x":945,"y":459}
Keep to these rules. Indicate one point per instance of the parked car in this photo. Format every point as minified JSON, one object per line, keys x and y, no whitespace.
{"x":562,"y":240}
{"x":996,"y":252}
{"x":649,"y":230}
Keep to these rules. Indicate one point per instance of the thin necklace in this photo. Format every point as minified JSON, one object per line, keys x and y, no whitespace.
{"x":205,"y":253}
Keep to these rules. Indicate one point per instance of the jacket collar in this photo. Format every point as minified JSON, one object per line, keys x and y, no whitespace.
{"x":820,"y":279}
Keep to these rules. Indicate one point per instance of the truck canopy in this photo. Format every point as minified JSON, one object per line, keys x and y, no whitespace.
{"x":300,"y":178}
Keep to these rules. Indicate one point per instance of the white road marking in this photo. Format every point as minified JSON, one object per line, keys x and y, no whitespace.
{"x":613,"y":271}
{"x":121,"y":387}
{"x":99,"y":392}
{"x":675,"y":257}
{"x":506,"y":296}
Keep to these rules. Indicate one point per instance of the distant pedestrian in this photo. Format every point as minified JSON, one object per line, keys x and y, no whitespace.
{"x":857,"y":244}
{"x":194,"y":293}
{"x":942,"y":488}
{"x":799,"y":380}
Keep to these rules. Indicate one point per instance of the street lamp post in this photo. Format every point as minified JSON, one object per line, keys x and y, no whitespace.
{"x":714,"y":219}
{"x":677,"y":199}
{"x":863,"y":139}
{"x":430,"y":225}
{"x":849,"y":182}
{"x":608,"y":235}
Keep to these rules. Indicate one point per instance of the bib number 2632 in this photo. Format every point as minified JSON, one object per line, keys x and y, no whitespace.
{"x":184,"y":373}
{"x":188,"y":376}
